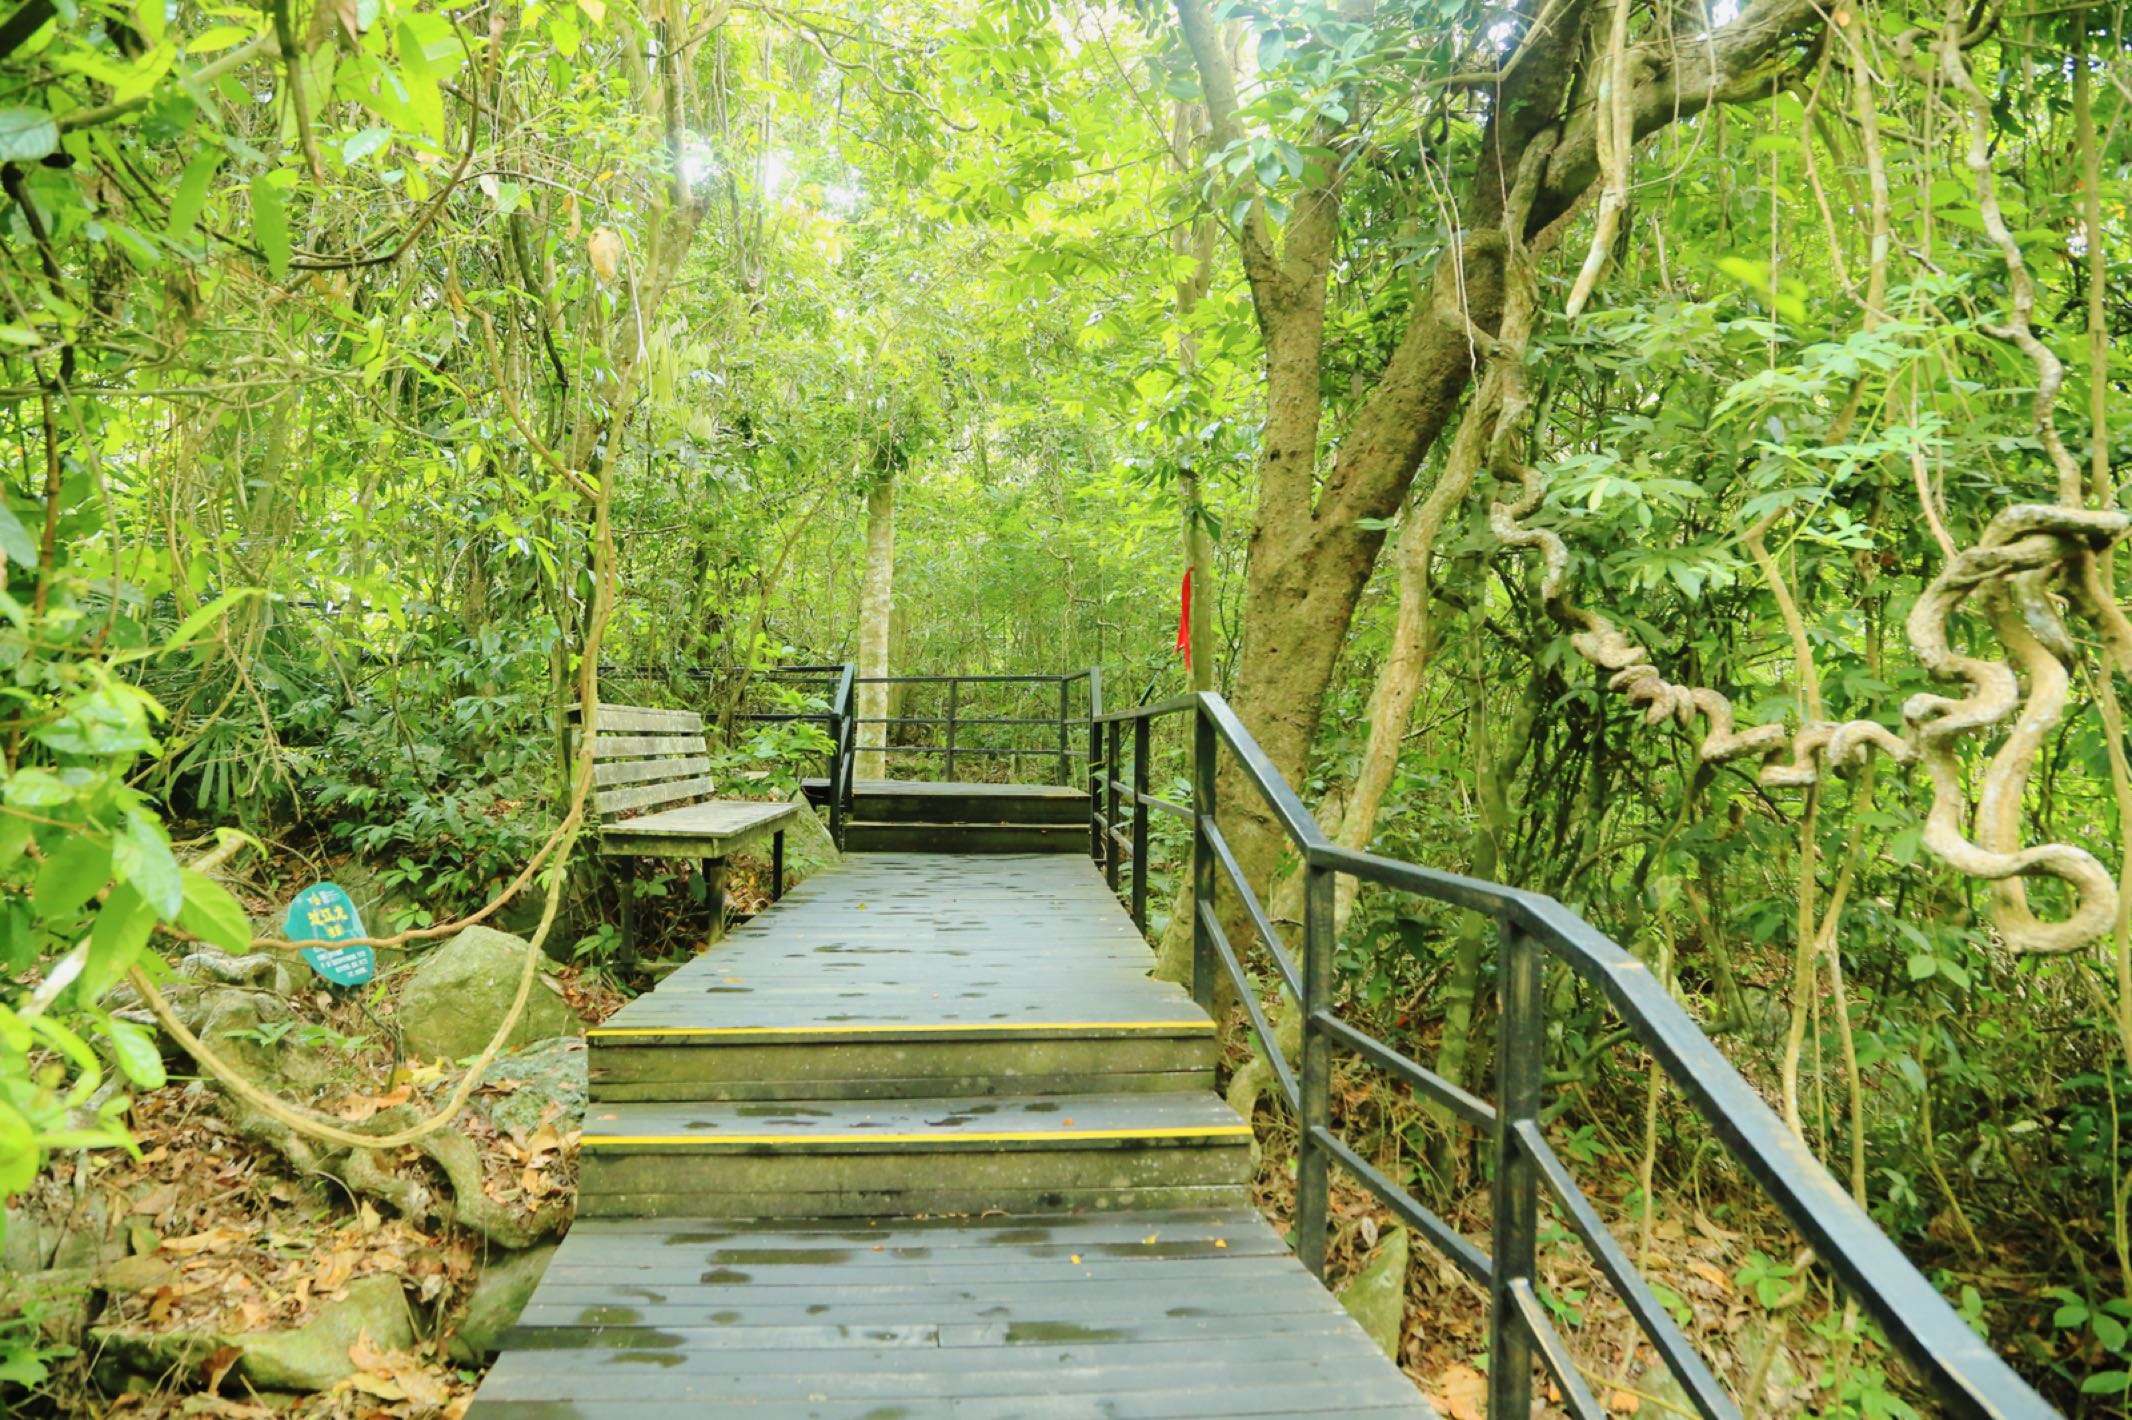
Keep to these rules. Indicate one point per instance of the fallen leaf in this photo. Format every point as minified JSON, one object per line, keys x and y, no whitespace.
{"x":209,"y":1241}
{"x":383,"y":1387}
{"x":218,"y":1365}
{"x":1459,"y":1393}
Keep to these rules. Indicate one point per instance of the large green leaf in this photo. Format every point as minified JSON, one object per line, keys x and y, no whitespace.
{"x":141,"y":856}
{"x":26,"y":134}
{"x":15,"y":539}
{"x":188,"y":201}
{"x":18,"y":1151}
{"x":71,"y":874}
{"x":270,"y":223}
{"x":138,"y":1058}
{"x":115,"y":942}
{"x":212,"y":914}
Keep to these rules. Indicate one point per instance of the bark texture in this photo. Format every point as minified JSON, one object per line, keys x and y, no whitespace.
{"x":1317,"y":528}
{"x":876,"y":613}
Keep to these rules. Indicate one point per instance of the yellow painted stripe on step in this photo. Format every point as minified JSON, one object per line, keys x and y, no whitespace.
{"x":1223,"y":1131}
{"x":608,"y":1032}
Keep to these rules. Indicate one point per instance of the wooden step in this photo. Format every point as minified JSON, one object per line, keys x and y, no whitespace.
{"x":843,"y":1158}
{"x":1193,"y":1313}
{"x":884,"y":1065}
{"x":877,"y":836}
{"x":895,"y":801}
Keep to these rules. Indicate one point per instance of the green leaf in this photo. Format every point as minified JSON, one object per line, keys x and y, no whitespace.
{"x":191,"y":197}
{"x":26,"y":134}
{"x":363,"y":144}
{"x":2107,"y":1383}
{"x":141,"y":856}
{"x":138,"y":1059}
{"x":15,"y":540}
{"x":18,"y":1151}
{"x":207,"y":615}
{"x":270,"y":223}
{"x":115,"y":942}
{"x":2108,"y":1330}
{"x":216,"y":38}
{"x":212,"y":914}
{"x":71,"y":875}
{"x":1923,"y":966}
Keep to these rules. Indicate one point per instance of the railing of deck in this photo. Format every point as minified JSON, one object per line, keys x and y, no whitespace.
{"x":1048,"y":738}
{"x":1964,"y":1373}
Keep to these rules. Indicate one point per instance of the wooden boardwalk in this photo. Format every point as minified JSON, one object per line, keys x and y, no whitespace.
{"x":925,"y":1140}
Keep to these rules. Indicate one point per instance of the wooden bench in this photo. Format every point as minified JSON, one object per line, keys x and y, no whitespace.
{"x":658,"y":760}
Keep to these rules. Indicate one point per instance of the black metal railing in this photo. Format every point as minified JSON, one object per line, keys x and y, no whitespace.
{"x":1963,"y":1372}
{"x":946,"y":730}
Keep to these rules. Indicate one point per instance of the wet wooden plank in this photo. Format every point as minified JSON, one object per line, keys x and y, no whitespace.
{"x":923,"y":1027}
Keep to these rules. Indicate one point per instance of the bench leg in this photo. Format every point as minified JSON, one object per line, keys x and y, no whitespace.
{"x":626,"y":882}
{"x":714,"y":882}
{"x":777,"y":866}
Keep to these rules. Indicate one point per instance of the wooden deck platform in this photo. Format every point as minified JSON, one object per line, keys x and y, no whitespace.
{"x":925,"y":1140}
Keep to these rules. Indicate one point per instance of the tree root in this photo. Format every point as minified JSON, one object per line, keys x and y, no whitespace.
{"x":460,"y":1203}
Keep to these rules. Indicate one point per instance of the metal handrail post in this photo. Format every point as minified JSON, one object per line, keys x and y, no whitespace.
{"x":1099,"y":769}
{"x":954,"y":706}
{"x":1140,"y":744}
{"x":1204,"y":961}
{"x":1311,"y":1183}
{"x":1515,"y":1245}
{"x":1111,"y":827}
{"x":1065,"y":718}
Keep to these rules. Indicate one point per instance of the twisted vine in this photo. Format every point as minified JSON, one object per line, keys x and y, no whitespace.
{"x":2011,"y":571}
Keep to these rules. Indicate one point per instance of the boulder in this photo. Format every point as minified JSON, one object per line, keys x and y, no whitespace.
{"x":808,"y":846}
{"x":506,"y":1285}
{"x":57,"y":1301}
{"x":1377,"y":1295}
{"x":280,"y":973}
{"x":550,"y":1080}
{"x":310,"y":1357}
{"x":26,"y":1246}
{"x":457,"y":996}
{"x":314,"y":1356}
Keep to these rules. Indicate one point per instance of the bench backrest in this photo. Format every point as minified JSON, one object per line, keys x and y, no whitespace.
{"x":646,"y":759}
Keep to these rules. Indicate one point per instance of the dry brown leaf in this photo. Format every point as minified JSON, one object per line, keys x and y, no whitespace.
{"x":370,"y":1383}
{"x":604,"y":247}
{"x":155,"y":1200}
{"x":209,"y":1241}
{"x":1461,"y":1393}
{"x":218,"y":1365}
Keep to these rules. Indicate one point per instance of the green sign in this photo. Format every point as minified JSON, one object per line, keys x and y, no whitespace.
{"x":325,"y":913}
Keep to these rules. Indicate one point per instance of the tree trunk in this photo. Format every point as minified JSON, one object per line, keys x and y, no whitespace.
{"x":876,"y":607}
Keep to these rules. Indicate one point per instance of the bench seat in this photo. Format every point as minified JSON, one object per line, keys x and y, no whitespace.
{"x":707,"y":830}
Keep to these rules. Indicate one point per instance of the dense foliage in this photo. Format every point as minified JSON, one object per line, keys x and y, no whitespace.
{"x":325,"y":329}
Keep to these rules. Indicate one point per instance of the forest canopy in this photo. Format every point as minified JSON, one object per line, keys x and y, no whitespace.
{"x":1658,"y":453}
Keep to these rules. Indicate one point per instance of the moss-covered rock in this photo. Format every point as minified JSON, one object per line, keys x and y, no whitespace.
{"x":457,"y":996}
{"x":314,"y":1356}
{"x":1377,"y":1295}
{"x":310,"y":1357}
{"x":505,"y":1287}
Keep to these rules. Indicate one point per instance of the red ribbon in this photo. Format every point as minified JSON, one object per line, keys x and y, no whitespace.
{"x":1184,"y":619}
